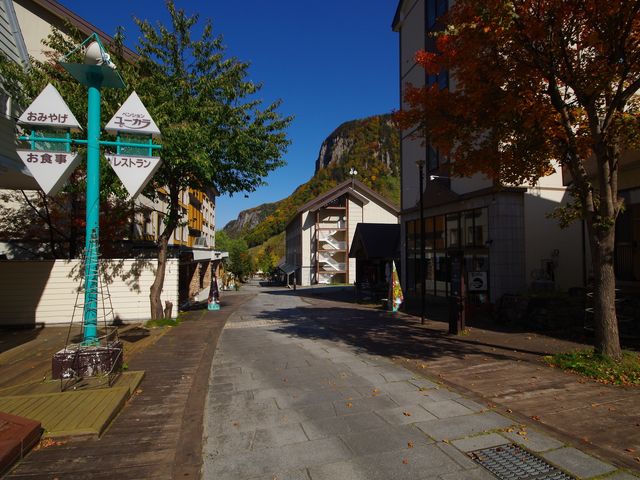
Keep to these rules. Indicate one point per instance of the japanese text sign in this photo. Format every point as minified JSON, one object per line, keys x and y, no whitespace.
{"x":133,"y":117}
{"x":50,"y":169}
{"x":134,"y":171}
{"x":49,"y":110}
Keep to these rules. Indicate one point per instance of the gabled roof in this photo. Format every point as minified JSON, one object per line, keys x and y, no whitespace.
{"x":375,"y":240}
{"x":354,"y":187}
{"x":65,"y":15}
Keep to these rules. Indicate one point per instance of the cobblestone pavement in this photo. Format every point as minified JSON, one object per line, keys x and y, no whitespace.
{"x":285,"y":403}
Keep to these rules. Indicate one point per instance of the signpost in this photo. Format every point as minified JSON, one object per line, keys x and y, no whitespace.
{"x":50,"y":114}
{"x":458,"y":293}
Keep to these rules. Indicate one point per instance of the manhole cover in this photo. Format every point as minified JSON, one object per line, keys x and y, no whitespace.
{"x":509,"y":462}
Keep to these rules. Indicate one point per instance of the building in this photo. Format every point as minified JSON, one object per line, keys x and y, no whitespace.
{"x":502,"y":232}
{"x":319,"y":235}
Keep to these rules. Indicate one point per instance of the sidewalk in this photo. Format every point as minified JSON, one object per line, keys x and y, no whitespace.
{"x":503,"y":370}
{"x":300,"y":392}
{"x":158,"y":435}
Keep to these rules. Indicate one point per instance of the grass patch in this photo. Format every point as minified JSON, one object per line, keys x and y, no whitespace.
{"x":166,"y":322}
{"x":600,"y":368}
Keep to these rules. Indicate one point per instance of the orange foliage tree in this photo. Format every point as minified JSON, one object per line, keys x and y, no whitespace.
{"x":538,"y":81}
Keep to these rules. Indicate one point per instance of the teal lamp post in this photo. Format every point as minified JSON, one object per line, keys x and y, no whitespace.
{"x":96,"y":72}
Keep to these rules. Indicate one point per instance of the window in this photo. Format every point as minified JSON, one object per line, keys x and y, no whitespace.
{"x":453,"y":230}
{"x":466,"y":231}
{"x":481,"y":227}
{"x":433,"y":159}
{"x":435,"y":9}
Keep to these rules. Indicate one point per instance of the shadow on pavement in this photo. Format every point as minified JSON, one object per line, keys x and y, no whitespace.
{"x":377,"y":333}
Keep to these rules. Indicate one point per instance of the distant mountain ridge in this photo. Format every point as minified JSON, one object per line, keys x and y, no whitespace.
{"x":370,"y":145}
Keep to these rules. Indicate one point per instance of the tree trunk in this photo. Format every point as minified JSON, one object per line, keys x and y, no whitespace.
{"x":158,"y":282}
{"x":607,"y":339}
{"x":163,"y":251}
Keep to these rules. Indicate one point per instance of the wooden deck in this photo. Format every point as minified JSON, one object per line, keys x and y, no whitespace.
{"x":86,"y":411}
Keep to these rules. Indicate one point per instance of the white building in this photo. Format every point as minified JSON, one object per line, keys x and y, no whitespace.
{"x":319,"y":235}
{"x":503,"y":233}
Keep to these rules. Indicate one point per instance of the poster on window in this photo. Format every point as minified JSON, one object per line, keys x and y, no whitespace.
{"x":477,"y":281}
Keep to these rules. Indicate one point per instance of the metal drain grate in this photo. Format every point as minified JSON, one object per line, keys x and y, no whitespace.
{"x":508,"y":462}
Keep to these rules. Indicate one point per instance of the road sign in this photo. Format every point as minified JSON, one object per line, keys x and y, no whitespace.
{"x":50,"y":169}
{"x":134,"y":171}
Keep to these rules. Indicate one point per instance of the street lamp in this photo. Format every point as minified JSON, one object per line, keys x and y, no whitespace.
{"x":423,"y":287}
{"x":352,"y":173}
{"x":49,"y":111}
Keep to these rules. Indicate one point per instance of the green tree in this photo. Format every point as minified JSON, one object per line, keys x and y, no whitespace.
{"x":214,"y":129}
{"x":240,"y":261}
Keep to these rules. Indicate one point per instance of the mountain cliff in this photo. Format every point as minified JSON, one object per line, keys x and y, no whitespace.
{"x":370,"y":145}
{"x":248,"y":219}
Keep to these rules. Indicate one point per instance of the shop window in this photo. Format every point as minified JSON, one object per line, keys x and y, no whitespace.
{"x":481,"y":227}
{"x":453,"y":230}
{"x":439,"y":233}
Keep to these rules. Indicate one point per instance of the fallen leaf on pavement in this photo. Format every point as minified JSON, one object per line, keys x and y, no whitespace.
{"x":535,"y":417}
{"x":409,"y":444}
{"x":630,"y":450}
{"x":48,"y":442}
{"x":405,"y":460}
{"x":349,"y":404}
{"x":509,"y":410}
{"x":406,"y":414}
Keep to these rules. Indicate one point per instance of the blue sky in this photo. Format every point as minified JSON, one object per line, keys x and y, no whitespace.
{"x":328,"y":60}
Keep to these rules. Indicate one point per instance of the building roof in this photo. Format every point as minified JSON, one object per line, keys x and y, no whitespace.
{"x":375,"y":240}
{"x":353,"y":186}
{"x":396,"y":18}
{"x":11,"y":40}
{"x":65,"y":15}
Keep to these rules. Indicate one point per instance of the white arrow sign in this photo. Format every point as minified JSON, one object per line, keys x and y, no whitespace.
{"x":49,"y":110}
{"x":134,"y":171}
{"x":50,"y":169}
{"x":133,"y":117}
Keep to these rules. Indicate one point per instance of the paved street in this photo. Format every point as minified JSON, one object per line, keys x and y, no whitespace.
{"x":286,"y":402}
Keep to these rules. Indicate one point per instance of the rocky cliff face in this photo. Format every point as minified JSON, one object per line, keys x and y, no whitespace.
{"x":374,"y":136}
{"x":248,"y":219}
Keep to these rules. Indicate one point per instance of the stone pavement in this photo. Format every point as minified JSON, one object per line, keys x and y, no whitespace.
{"x":290,"y":400}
